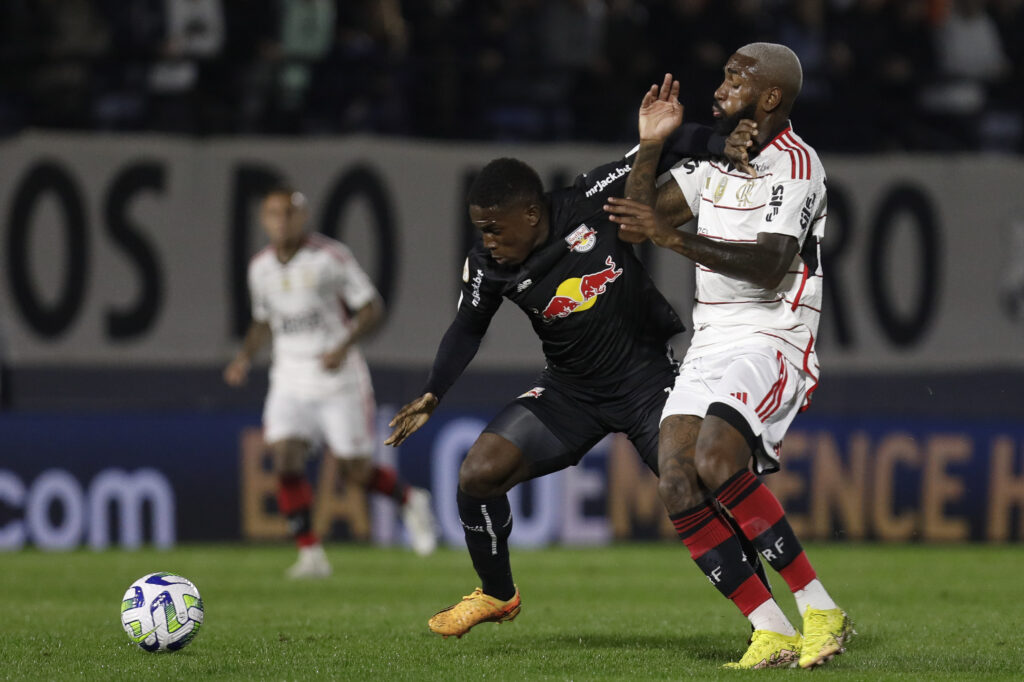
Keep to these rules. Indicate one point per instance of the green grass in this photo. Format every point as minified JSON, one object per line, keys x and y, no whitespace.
{"x":629,"y":612}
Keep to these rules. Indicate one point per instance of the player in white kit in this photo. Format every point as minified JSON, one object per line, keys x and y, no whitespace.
{"x":310,"y":295}
{"x":751,"y":365}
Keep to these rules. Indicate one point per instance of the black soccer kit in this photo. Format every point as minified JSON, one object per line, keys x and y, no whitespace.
{"x":604,"y":330}
{"x":602,"y":323}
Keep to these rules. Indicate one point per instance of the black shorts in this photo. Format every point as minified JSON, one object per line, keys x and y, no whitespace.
{"x":556,"y":422}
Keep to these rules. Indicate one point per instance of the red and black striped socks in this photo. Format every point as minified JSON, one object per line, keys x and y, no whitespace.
{"x":717,"y":551}
{"x":385,"y":480}
{"x":294,"y":499}
{"x":760,"y":515}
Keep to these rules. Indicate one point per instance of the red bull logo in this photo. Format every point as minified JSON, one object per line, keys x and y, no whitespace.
{"x":580,"y":293}
{"x":582,"y":239}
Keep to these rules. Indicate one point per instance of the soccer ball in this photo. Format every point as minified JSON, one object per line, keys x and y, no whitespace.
{"x":162,"y":612}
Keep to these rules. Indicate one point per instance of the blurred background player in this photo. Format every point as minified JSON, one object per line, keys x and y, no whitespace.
{"x":303,"y":287}
{"x":751,"y":365}
{"x":604,"y":330}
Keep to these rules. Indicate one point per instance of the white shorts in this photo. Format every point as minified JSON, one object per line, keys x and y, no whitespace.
{"x":345,"y":420}
{"x":758,"y":382}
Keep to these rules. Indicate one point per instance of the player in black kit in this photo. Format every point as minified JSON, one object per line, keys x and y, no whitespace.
{"x":604,"y":329}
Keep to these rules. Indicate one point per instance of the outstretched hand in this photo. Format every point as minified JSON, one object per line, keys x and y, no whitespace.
{"x":660,"y":110}
{"x":638,"y":221}
{"x":410,"y":418}
{"x":738,"y":144}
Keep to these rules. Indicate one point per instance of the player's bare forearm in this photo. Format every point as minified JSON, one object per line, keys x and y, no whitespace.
{"x":660,"y":114}
{"x":256,"y":337}
{"x":367,"y":320}
{"x":640,"y":185}
{"x":638,"y":220}
{"x":764,"y":263}
{"x":238,"y":369}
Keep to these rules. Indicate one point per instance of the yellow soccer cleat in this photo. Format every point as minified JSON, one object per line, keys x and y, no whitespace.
{"x":475,"y":608}
{"x":826,"y":632}
{"x":769,"y":650}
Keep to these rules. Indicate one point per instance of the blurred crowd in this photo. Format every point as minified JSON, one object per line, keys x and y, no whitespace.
{"x":879,"y":75}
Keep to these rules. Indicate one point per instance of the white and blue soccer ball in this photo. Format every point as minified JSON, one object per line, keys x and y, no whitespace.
{"x":162,"y":612}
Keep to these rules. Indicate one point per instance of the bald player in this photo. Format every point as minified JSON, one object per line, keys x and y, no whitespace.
{"x":751,"y":366}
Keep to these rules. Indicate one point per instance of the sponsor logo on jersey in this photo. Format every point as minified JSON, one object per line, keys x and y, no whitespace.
{"x":775,"y":202}
{"x":477,"y":281}
{"x":607,"y":180}
{"x":580,"y":293}
{"x":533,"y":392}
{"x":465,"y":271}
{"x":805,"y":212}
{"x":582,"y":239}
{"x":524,"y":285}
{"x":305,"y":322}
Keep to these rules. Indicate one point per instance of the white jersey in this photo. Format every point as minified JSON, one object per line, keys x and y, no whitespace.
{"x":787,"y":197}
{"x":304,"y":301}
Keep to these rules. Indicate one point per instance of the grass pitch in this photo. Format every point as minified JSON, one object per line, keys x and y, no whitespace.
{"x":629,"y":612}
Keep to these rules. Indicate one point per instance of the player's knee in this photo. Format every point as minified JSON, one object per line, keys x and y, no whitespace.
{"x":678,"y":486}
{"x":476,"y":479}
{"x":487,"y":471}
{"x":289,"y":456}
{"x":356,"y":470}
{"x":715,"y":465}
{"x":722,"y":451}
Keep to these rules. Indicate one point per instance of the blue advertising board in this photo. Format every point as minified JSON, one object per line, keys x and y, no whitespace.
{"x":126,"y":479}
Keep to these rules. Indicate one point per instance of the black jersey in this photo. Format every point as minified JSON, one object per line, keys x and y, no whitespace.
{"x":591,"y":302}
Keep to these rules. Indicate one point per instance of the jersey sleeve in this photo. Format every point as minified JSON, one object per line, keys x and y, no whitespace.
{"x":689,"y":142}
{"x":479,"y":300}
{"x":351,"y":282}
{"x":793,"y":205}
{"x":257,"y":297}
{"x":594,"y":187}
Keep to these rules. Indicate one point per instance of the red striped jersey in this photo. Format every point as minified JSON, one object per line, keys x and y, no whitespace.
{"x":305,"y":302}
{"x":788,"y":197}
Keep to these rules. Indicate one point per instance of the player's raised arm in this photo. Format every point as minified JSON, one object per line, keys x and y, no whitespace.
{"x":660,"y":114}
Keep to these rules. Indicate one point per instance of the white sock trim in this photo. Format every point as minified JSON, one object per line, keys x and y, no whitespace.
{"x":768,"y":616}
{"x":814,"y":595}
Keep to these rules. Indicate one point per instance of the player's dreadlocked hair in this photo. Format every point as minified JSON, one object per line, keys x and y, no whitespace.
{"x":504,"y":182}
